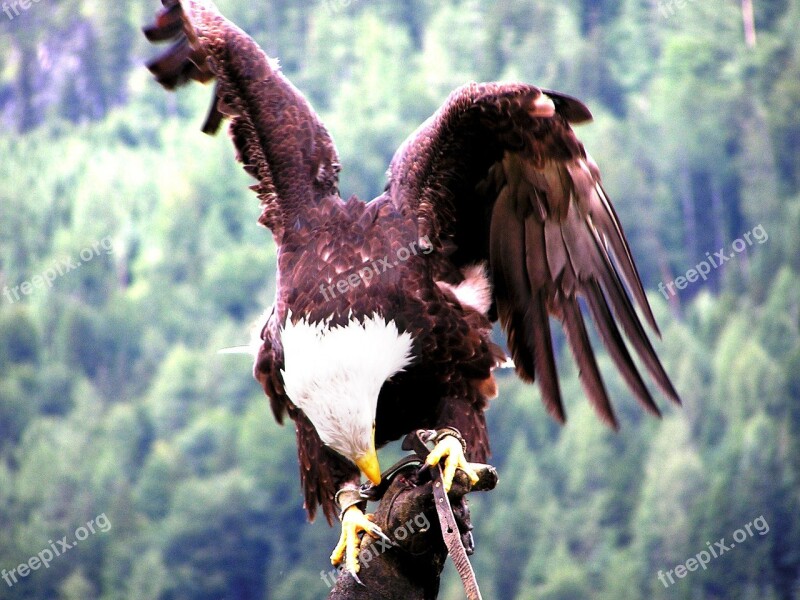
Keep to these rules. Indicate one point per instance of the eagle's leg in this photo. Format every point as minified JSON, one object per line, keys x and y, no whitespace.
{"x":354,"y":521}
{"x":451,"y":446}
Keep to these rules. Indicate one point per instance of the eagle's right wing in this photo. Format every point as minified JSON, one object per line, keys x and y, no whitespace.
{"x":278,"y":136}
{"x":498,"y":177}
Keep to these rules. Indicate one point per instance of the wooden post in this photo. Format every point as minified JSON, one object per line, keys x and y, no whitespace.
{"x":410,"y":568}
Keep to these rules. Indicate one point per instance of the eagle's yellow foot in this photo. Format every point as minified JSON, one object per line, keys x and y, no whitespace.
{"x":354,"y":521}
{"x":451,"y":448}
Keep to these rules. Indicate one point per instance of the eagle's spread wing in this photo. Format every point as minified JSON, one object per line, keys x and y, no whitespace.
{"x":277,"y":134}
{"x":282,"y":143}
{"x":498,"y":175}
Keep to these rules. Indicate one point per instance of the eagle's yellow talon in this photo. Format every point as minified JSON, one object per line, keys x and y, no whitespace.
{"x":354,"y":521}
{"x":451,"y":450}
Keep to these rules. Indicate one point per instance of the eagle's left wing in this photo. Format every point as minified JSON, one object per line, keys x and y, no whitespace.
{"x":497,"y":175}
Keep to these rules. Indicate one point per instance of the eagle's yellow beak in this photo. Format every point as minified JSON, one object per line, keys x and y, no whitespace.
{"x":368,"y":463}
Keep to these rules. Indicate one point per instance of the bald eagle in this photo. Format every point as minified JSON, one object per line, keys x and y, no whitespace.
{"x":383,"y":314}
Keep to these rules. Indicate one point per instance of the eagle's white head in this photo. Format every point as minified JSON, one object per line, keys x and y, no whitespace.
{"x":334,"y":374}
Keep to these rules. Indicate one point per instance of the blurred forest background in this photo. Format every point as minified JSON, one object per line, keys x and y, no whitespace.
{"x":114,"y":400}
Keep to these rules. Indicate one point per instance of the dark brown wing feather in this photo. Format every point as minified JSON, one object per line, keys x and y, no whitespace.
{"x":278,"y":136}
{"x":553,"y":237}
{"x":281,"y":142}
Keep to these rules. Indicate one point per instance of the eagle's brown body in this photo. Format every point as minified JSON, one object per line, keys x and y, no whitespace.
{"x":453,"y":356}
{"x":495,"y":182}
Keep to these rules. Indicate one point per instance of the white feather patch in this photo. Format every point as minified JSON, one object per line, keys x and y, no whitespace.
{"x":475,"y":291}
{"x":334,"y":374}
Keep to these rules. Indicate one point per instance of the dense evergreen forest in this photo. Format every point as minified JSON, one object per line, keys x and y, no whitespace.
{"x":138,"y":462}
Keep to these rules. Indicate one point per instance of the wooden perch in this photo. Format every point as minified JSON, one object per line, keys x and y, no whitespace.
{"x":410,"y":569}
